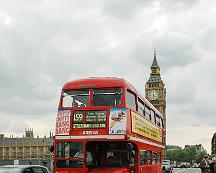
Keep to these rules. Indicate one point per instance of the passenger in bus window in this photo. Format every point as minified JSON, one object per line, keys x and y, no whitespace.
{"x":153,"y":161}
{"x":116,"y":160}
{"x":109,"y":160}
{"x":79,"y":154}
{"x":89,"y":158}
{"x":74,"y":104}
{"x":144,"y":161}
{"x":113,"y":160}
{"x":148,"y":162}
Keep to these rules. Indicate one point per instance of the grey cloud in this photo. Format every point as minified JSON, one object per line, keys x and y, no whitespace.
{"x":173,"y":49}
{"x":124,"y":9}
{"x":207,"y":39}
{"x":6,"y":77}
{"x":15,"y":105}
{"x":176,"y":49}
{"x":10,"y":123}
{"x":202,"y":140}
{"x":178,"y":6}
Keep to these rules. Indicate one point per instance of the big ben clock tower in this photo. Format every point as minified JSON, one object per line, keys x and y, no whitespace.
{"x":155,"y":90}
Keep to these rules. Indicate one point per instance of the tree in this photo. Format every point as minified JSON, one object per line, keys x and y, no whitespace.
{"x":189,"y":154}
{"x":183,"y":155}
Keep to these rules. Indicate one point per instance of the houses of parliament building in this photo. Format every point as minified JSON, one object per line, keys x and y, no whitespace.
{"x":26,"y":147}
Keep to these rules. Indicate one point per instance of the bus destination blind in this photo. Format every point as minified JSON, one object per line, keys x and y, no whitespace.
{"x":95,"y":116}
{"x":89,"y":119}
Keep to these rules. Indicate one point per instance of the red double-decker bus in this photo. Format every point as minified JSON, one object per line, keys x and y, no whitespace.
{"x":104,"y":126}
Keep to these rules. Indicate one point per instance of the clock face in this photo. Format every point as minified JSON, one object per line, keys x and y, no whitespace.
{"x":153,"y":95}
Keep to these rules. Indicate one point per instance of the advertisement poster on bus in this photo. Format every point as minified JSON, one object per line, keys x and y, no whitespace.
{"x":145,"y":128}
{"x":117,"y":121}
{"x":63,"y":122}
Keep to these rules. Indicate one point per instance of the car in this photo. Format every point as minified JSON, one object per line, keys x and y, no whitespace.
{"x":184,"y":165}
{"x":166,"y":166}
{"x":195,"y":165}
{"x":23,"y":169}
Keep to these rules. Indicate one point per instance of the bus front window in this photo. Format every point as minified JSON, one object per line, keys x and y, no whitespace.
{"x":107,"y":97}
{"x":69,"y":154}
{"x":75,"y":98}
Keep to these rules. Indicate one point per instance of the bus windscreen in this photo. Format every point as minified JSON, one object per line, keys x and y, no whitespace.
{"x":107,"y":97}
{"x":75,"y":98}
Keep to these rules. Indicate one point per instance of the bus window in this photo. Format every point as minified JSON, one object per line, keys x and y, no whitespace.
{"x":69,"y":150}
{"x":69,"y":155}
{"x":145,"y":157}
{"x":153,"y":116}
{"x":131,"y":100}
{"x":107,"y":97}
{"x":75,"y":98}
{"x":158,"y":158}
{"x":149,"y":157}
{"x":140,"y":107}
{"x":62,"y":150}
{"x":158,"y":121}
{"x":162,"y":123}
{"x":154,"y":158}
{"x":148,"y":113}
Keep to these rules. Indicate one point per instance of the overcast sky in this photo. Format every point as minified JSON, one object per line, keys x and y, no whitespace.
{"x":45,"y":43}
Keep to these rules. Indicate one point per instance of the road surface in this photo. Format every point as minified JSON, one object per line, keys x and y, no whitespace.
{"x":186,"y":170}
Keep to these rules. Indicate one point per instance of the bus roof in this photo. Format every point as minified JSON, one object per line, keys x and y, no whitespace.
{"x":105,"y":82}
{"x":98,"y":82}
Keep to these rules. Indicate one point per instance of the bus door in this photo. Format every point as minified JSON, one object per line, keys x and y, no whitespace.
{"x":110,"y":156}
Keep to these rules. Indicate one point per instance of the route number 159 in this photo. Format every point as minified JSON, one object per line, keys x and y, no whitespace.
{"x":78,"y":116}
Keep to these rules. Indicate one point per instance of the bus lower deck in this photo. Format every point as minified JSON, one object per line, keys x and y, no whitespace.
{"x":96,"y":156}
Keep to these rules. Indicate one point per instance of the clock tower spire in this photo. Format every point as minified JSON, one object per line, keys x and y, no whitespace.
{"x":155,"y":90}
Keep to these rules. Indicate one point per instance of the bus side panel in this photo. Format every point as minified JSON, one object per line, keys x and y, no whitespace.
{"x":153,"y":167}
{"x":129,"y":123}
{"x":149,"y":169}
{"x":145,"y":168}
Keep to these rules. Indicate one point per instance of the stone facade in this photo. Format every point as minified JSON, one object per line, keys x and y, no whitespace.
{"x":25,"y":148}
{"x":155,"y":90}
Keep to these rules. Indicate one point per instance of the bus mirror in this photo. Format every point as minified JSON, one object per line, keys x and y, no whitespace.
{"x":129,"y":146}
{"x":51,"y":148}
{"x":131,"y":150}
